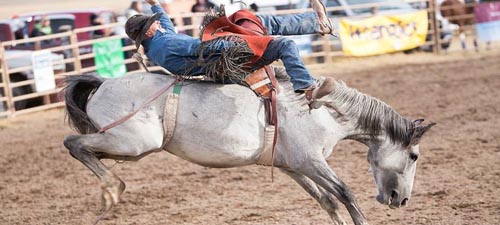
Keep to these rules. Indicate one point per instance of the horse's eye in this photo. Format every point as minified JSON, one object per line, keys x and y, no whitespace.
{"x":413,"y":156}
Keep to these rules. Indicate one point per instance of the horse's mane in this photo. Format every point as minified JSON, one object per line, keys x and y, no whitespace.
{"x":374,"y":116}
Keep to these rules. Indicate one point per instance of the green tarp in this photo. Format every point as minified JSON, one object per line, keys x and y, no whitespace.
{"x":109,"y":58}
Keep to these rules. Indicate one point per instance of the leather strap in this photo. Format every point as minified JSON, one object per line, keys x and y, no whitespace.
{"x":272,"y":76}
{"x":271,"y":112}
{"x":144,"y":104}
{"x":274,"y":121}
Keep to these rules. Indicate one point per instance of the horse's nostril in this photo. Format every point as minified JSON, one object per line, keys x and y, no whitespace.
{"x":404,"y":202}
{"x":394,"y":194}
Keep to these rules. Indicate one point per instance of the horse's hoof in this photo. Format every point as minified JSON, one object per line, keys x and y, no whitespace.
{"x":107,"y":201}
{"x":112,"y":192}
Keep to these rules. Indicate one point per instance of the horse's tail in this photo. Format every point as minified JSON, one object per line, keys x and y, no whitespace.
{"x":78,"y":89}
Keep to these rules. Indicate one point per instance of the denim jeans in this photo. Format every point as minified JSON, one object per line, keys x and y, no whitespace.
{"x":291,"y":24}
{"x":285,"y":49}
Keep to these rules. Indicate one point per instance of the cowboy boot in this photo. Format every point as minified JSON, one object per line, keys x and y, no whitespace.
{"x":313,"y":92}
{"x":325,"y":24}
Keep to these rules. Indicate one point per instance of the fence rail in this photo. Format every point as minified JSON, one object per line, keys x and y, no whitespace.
{"x":78,"y":59}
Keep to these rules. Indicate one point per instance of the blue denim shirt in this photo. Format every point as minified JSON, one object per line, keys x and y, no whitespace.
{"x":174,"y":52}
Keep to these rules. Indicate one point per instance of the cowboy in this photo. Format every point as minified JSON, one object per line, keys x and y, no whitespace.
{"x":185,"y":55}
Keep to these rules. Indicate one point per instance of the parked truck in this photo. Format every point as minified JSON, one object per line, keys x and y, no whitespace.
{"x":18,"y":59}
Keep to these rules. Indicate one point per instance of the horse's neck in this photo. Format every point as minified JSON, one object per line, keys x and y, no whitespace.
{"x":362,"y":115}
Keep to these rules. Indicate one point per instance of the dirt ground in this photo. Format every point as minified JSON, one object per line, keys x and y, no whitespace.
{"x":457,"y":181}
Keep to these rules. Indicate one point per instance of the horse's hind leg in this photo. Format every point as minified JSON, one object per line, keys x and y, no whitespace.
{"x":84,"y":148}
{"x":325,"y":199}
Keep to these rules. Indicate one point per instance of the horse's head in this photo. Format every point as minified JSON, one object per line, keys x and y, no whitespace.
{"x":393,"y":140}
{"x":393,"y":165}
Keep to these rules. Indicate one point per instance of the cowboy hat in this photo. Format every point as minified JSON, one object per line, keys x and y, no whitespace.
{"x":137,"y":26}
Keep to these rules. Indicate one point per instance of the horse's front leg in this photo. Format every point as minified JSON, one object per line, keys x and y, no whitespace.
{"x":325,"y":199}
{"x":317,"y":169}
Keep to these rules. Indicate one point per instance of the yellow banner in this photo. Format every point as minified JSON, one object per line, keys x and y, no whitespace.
{"x":383,"y":34}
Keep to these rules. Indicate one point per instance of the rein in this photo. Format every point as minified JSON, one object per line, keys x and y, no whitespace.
{"x":144,"y":104}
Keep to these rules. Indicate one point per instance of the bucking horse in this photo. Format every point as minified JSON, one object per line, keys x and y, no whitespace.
{"x":222,"y":126}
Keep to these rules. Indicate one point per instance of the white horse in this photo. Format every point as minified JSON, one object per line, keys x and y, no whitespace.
{"x":223,"y":126}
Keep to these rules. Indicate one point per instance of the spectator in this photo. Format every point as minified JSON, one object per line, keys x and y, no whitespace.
{"x":42,"y":27}
{"x":135,"y":8}
{"x":18,"y":27}
{"x":254,"y":7}
{"x":202,"y":6}
{"x":199,"y":6}
{"x":96,"y":20}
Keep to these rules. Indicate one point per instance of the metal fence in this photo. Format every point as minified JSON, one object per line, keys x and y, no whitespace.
{"x":79,"y":60}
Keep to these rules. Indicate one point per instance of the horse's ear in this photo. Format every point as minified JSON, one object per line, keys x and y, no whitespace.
{"x":418,"y":121}
{"x":419,"y":131}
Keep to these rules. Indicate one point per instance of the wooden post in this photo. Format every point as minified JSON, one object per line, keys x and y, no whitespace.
{"x":436,"y":37}
{"x":46,"y":99}
{"x":327,"y":49}
{"x":195,"y":20}
{"x":6,"y":81}
{"x":75,"y":50}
